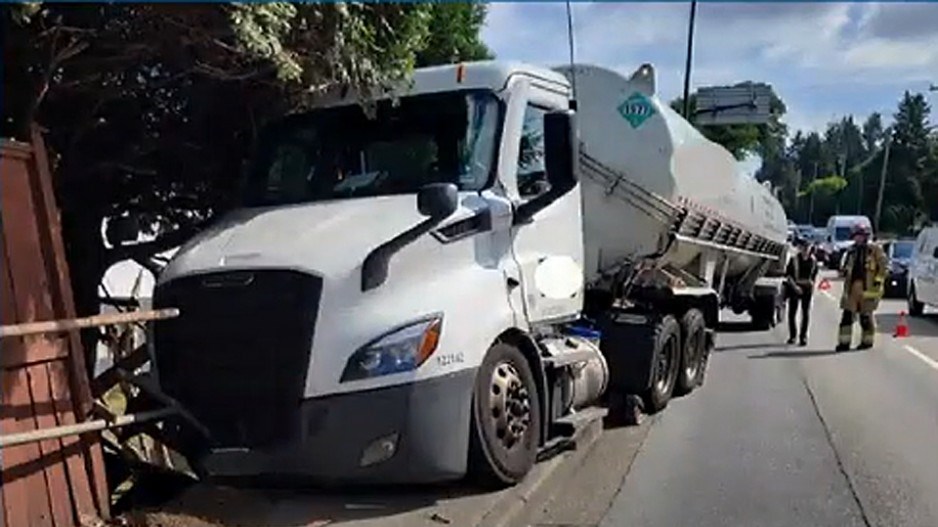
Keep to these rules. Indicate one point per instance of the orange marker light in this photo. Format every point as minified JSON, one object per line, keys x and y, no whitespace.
{"x":431,"y":338}
{"x":460,"y":73}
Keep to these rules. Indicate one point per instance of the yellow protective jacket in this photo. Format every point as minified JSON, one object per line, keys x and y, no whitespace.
{"x":863,"y":293}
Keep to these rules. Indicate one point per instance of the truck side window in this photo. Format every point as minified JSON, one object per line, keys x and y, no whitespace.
{"x":532,"y":177}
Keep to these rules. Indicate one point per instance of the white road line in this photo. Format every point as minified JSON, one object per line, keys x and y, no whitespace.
{"x":932,"y":363}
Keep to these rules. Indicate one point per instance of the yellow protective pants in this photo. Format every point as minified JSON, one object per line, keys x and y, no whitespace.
{"x":855,"y":304}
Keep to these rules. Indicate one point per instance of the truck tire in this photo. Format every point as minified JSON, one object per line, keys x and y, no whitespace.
{"x":693,"y":346}
{"x":666,"y":363}
{"x":506,"y":419}
{"x":916,"y":308}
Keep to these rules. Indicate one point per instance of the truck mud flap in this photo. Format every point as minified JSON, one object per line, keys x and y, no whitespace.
{"x":628,"y":340}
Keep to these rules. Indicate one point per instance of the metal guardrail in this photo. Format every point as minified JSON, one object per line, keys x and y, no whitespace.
{"x":110,"y":319}
{"x":59,"y":326}
{"x":96,"y":425}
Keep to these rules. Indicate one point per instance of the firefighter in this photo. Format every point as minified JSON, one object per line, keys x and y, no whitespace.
{"x":864,"y":271}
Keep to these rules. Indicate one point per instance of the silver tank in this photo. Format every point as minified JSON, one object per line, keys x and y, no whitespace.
{"x":625,"y":126}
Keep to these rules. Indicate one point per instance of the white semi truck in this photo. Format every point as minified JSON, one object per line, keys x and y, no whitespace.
{"x":446,"y":280}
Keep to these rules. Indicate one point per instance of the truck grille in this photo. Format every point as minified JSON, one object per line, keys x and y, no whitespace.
{"x":238,"y":354}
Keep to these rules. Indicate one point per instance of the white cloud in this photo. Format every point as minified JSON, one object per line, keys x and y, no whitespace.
{"x":824,"y":59}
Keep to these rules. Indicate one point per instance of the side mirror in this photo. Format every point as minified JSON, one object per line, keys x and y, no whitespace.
{"x":560,"y":149}
{"x":438,"y":200}
{"x":122,"y":229}
{"x":561,"y":152}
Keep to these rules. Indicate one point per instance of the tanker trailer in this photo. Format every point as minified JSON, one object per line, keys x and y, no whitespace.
{"x":673,"y":231}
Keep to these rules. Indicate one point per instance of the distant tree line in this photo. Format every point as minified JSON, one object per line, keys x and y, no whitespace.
{"x":840,"y":171}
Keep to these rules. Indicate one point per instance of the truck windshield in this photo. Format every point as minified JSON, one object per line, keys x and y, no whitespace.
{"x":341,"y":152}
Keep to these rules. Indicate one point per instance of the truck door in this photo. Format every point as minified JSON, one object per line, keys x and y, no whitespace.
{"x":549,"y":248}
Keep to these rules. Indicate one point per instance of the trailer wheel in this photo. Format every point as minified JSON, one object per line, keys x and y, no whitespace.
{"x":694,"y":342}
{"x":667,"y":361}
{"x":506,"y":419}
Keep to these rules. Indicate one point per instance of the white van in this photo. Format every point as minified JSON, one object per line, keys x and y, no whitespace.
{"x":838,"y":236}
{"x":923,"y":272}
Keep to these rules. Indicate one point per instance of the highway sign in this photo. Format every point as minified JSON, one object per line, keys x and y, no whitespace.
{"x":745,"y":103}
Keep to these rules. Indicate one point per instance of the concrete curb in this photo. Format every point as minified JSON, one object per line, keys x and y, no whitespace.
{"x":512,"y":509}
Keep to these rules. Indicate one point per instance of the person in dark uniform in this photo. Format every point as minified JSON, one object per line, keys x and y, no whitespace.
{"x":800,"y":275}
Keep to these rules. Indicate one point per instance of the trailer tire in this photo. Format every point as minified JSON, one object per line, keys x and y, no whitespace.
{"x":666,"y":362}
{"x":504,"y":435}
{"x":693,"y":346}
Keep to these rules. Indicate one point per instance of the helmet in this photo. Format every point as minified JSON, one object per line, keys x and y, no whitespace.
{"x":860,"y":229}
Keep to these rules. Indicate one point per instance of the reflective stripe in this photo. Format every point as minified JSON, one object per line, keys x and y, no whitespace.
{"x":845,"y":335}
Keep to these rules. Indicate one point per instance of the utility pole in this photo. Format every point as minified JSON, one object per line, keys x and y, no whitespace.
{"x":860,"y":194}
{"x":882,"y":179}
{"x":811,"y":198}
{"x":689,"y":58}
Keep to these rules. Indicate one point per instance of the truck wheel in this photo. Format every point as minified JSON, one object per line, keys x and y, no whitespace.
{"x":916,"y":308}
{"x":666,"y":363}
{"x":694,"y":335}
{"x":506,"y":419}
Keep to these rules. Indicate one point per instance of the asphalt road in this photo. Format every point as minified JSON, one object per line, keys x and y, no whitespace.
{"x":778,"y":436}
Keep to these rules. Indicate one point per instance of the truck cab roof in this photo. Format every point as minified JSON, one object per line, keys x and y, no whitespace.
{"x":480,"y":75}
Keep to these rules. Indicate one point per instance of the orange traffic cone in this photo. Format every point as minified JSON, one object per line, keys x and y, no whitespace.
{"x":902,"y":329}
{"x":824,"y":285}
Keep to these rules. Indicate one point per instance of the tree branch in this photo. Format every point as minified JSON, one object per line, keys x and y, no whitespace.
{"x":140,"y":251}
{"x":150,"y":265}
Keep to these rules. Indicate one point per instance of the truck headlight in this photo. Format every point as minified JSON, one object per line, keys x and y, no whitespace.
{"x":403,"y":349}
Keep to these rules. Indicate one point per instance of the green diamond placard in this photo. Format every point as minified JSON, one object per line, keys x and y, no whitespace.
{"x":636,"y":109}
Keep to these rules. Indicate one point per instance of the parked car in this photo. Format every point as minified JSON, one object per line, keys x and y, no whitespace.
{"x":923,"y":272}
{"x":900,"y":255}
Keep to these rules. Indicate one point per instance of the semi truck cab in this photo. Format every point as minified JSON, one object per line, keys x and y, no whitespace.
{"x":367,"y":313}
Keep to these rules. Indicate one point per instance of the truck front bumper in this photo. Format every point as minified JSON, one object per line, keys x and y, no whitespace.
{"x":412,"y":433}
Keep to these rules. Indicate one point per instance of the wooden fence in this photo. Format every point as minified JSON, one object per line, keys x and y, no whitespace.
{"x":55,"y":482}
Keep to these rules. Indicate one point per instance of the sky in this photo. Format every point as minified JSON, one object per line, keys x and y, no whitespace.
{"x":824,"y":60}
